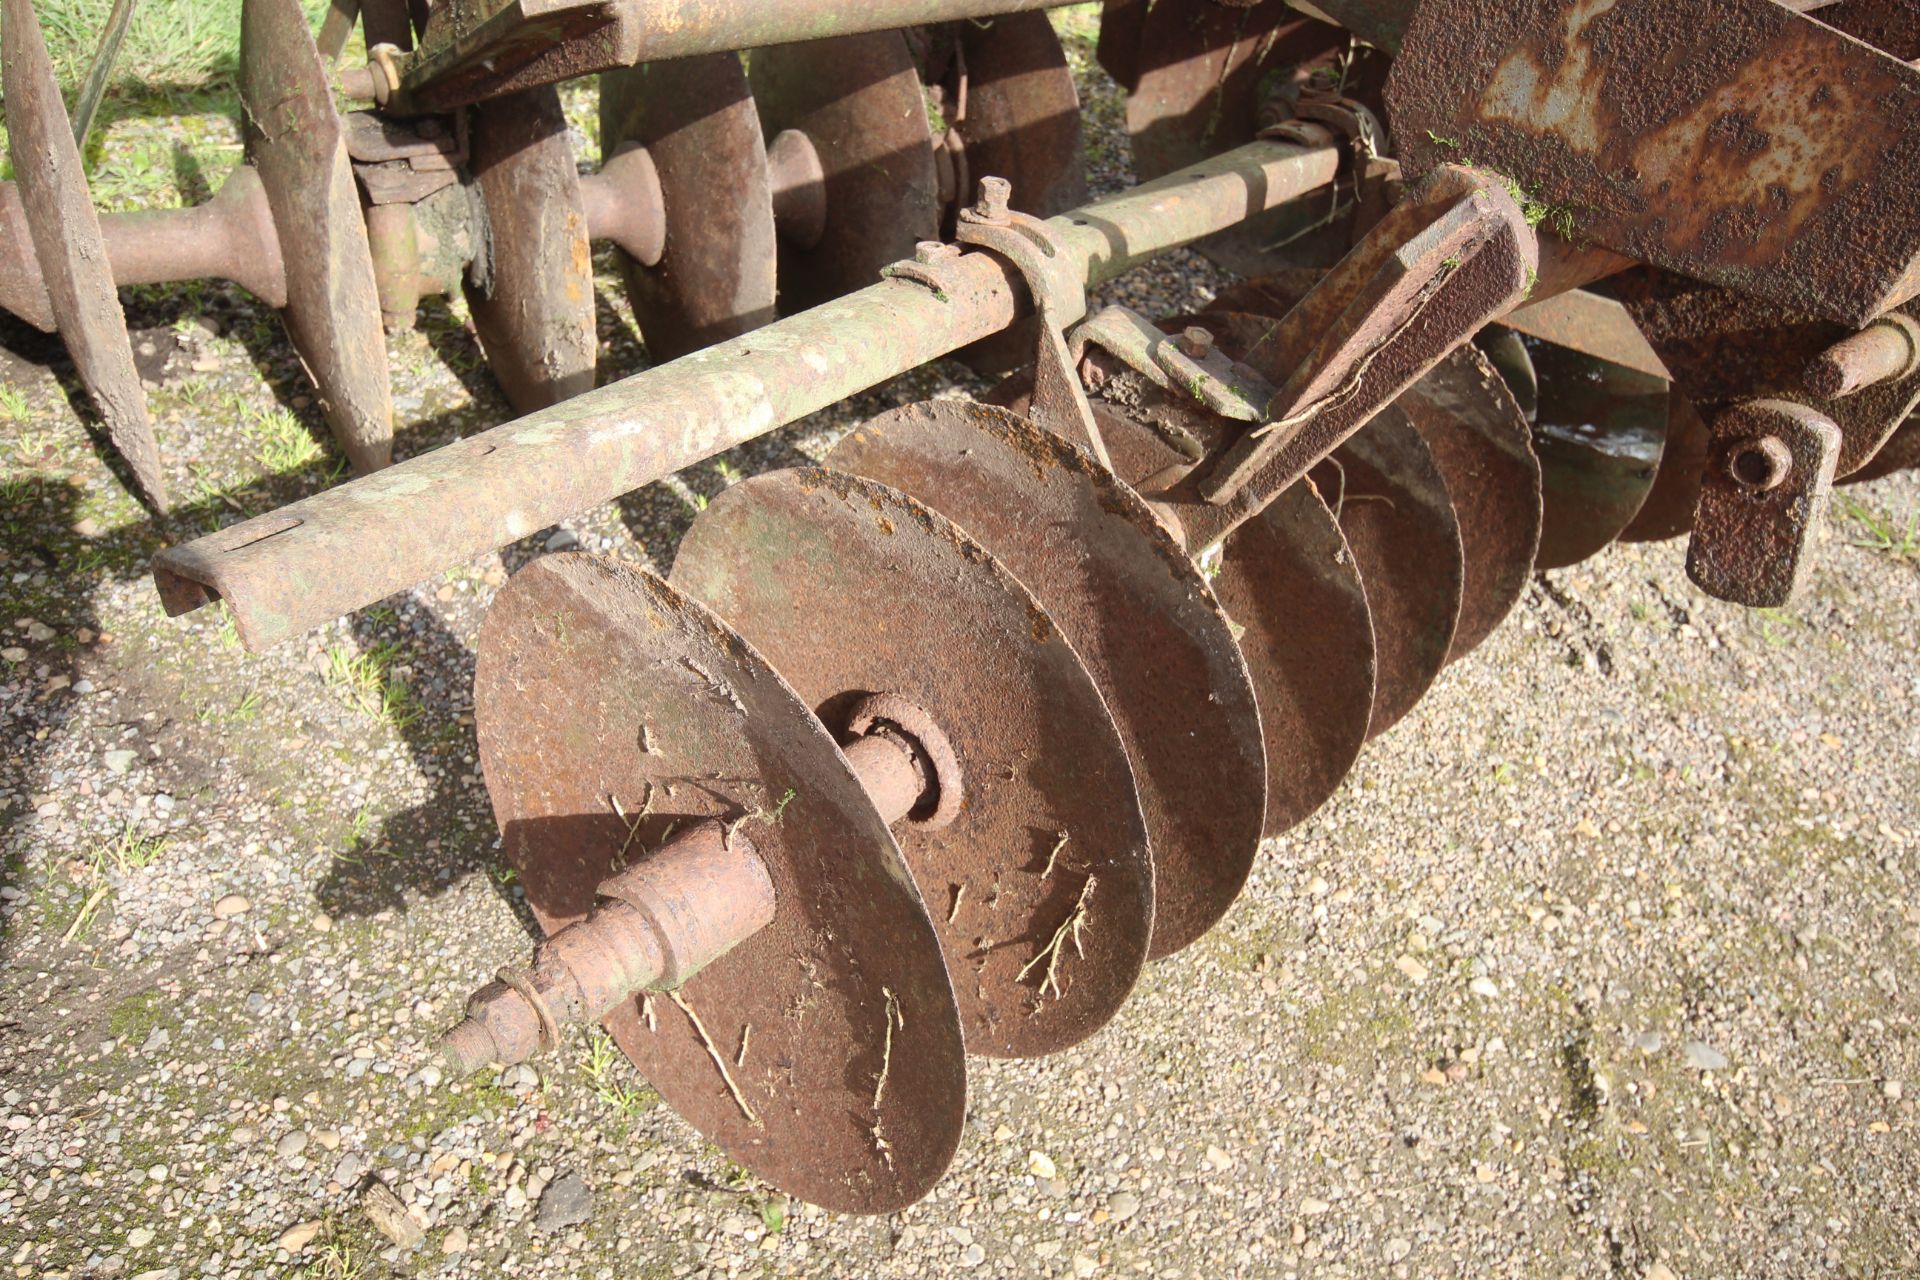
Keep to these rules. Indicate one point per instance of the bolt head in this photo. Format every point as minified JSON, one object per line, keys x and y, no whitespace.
{"x":1196,"y":343}
{"x":1760,"y":464}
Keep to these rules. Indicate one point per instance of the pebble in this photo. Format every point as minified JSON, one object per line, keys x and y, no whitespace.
{"x":1219,"y":1160}
{"x":292,"y":1145}
{"x":566,"y":1200}
{"x":563,"y":540}
{"x":1123,"y":1205}
{"x":230,"y":906}
{"x":1313,"y":1206}
{"x":1412,"y":968}
{"x":390,"y":1215}
{"x":1484,"y":988}
{"x":973,"y":1256}
{"x":1649,"y":1042}
{"x":1661,"y":1271}
{"x":1702,"y":1056}
{"x":139,"y":1237}
{"x":119,"y":760}
{"x":455,"y":1241}
{"x":298,"y":1237}
{"x":1041,"y":1165}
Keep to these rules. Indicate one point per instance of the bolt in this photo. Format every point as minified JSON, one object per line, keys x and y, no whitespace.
{"x":995,"y":193}
{"x":1196,"y":343}
{"x":931,"y":252}
{"x":1887,"y":349}
{"x":1760,"y":464}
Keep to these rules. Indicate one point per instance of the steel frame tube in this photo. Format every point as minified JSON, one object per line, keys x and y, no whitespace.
{"x":327,"y":555}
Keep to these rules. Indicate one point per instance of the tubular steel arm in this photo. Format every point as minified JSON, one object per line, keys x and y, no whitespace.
{"x":325,"y":556}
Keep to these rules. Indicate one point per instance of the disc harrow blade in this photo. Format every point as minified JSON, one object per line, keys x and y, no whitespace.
{"x":64,"y":232}
{"x":1042,"y":883}
{"x":699,"y":124}
{"x":1134,"y":608}
{"x":827,"y":1056}
{"x":1599,"y":431}
{"x":1298,"y":609}
{"x":1392,"y":503}
{"x":859,"y":101}
{"x":1022,"y":119}
{"x":533,"y":302}
{"x":297,"y":143}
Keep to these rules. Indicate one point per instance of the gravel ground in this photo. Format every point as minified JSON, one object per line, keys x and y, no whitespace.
{"x":1602,"y":963}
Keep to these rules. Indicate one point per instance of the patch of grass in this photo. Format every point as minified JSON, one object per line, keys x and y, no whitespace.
{"x":129,"y":851}
{"x":13,"y":405}
{"x":1876,"y":531}
{"x":282,"y":442}
{"x":370,"y":685}
{"x":136,"y":1016}
{"x":603,"y":1064}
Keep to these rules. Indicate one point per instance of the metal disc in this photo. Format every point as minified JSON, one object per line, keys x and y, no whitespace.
{"x":851,"y":588}
{"x":534,"y":306}
{"x":298,"y":145}
{"x":1479,"y":440}
{"x":1393,"y":505}
{"x":1481,"y":443}
{"x":1668,"y":510}
{"x":697,"y":120}
{"x":1901,"y":452}
{"x":1022,"y":119}
{"x":598,"y":684}
{"x":858,"y":100}
{"x":78,"y":280}
{"x":1293,"y":594}
{"x":1134,"y":608}
{"x":1599,"y":433}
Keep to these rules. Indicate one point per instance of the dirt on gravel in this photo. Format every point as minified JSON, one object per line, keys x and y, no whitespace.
{"x":1604,"y":962}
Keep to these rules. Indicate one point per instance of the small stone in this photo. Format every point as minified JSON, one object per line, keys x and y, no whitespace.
{"x":230,"y":906}
{"x":1083,"y":1266}
{"x":328,"y":1138}
{"x":455,"y":1241}
{"x":1703,"y":1057}
{"x":296,"y":1238}
{"x":1219,"y":1159}
{"x":387,"y":1212}
{"x":1891,"y":1089}
{"x":39,"y":632}
{"x":1649,"y":1042}
{"x":973,"y":1256}
{"x":118,"y":761}
{"x":292,"y":1145}
{"x":1412,"y":968}
{"x":566,"y":1201}
{"x":139,"y":1237}
{"x":1660,"y":1271}
{"x":562,"y":540}
{"x":14,"y":653}
{"x":323,"y":923}
{"x":1397,"y":1249}
{"x":1484,"y":988}
{"x":1040,"y":1165}
{"x":1313,"y":1206}
{"x":1123,"y":1205}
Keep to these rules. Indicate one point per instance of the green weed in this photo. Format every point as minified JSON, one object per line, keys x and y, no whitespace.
{"x":13,"y":405}
{"x":1874,"y":531}
{"x":283,"y":443}
{"x":368,"y":681}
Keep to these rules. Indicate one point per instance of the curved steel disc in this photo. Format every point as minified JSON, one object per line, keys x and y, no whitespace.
{"x":858,"y":100}
{"x":1023,"y":112}
{"x":1481,"y":443}
{"x":298,"y":145}
{"x":697,"y":120}
{"x":72,"y":257}
{"x":1136,"y":611}
{"x":852,"y":588}
{"x":1290,"y":586}
{"x":535,"y":313}
{"x":1599,"y":433}
{"x":1668,"y":509}
{"x":597,"y":683}
{"x":1393,"y":505}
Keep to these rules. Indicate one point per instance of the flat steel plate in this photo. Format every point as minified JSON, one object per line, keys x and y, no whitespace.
{"x":1134,"y":608}
{"x":58,"y":210}
{"x":851,"y":588}
{"x":697,"y":120}
{"x":1392,"y":503}
{"x":534,"y":313}
{"x":598,"y":684}
{"x":1295,"y":602}
{"x":859,"y":101}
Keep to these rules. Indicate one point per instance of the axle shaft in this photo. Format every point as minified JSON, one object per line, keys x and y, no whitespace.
{"x":352,"y":545}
